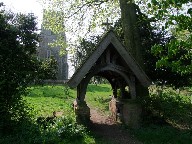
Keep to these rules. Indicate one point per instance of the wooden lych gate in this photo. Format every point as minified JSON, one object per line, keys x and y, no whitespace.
{"x":112,"y":61}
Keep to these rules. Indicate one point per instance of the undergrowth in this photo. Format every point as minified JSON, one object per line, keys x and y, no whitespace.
{"x":168,"y":121}
{"x":168,"y":117}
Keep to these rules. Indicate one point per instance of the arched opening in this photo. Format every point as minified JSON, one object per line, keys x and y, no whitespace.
{"x":117,"y":79}
{"x":111,"y":61}
{"x":98,"y":96}
{"x":121,"y":87}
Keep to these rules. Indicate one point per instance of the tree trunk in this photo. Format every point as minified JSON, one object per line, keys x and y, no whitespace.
{"x":132,"y":111}
{"x":130,"y":28}
{"x":132,"y":37}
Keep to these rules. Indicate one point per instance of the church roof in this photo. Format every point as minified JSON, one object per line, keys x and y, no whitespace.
{"x":109,"y":38}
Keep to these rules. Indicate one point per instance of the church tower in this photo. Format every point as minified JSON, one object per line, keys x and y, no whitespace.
{"x":45,"y":51}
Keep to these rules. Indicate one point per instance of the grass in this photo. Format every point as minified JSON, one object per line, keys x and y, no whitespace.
{"x":154,"y":134}
{"x":98,"y":97}
{"x":46,"y":99}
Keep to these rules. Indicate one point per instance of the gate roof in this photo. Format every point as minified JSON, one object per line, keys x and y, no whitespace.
{"x":109,"y":38}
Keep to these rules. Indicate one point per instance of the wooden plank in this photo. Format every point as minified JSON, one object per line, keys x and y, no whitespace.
{"x":140,"y":74}
{"x":90,"y":62}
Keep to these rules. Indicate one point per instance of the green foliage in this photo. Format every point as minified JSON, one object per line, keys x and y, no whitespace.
{"x":18,"y":64}
{"x":176,"y":55}
{"x":70,"y":130}
{"x":47,"y":69}
{"x":78,"y":17}
{"x":167,"y":61}
{"x":167,"y":117}
{"x":53,"y":20}
{"x":84,"y":50}
{"x":167,"y":104}
{"x":19,"y":67}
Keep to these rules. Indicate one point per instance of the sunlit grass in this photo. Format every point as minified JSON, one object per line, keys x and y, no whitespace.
{"x":98,"y":97}
{"x":46,"y":99}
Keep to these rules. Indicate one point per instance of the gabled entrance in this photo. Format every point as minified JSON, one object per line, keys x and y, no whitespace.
{"x":111,"y":61}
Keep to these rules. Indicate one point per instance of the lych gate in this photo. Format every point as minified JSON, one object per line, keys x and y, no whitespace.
{"x":112,"y":61}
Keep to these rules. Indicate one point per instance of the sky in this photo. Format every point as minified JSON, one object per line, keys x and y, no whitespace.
{"x":25,"y":6}
{"x":29,"y":6}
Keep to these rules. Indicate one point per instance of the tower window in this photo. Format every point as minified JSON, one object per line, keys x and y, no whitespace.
{"x":48,"y":54}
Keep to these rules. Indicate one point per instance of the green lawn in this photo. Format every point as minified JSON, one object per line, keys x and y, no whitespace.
{"x":46,"y":99}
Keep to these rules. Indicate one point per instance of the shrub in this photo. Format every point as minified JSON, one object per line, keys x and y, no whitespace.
{"x":18,"y":66}
{"x":69,"y":130}
{"x":170,"y":106}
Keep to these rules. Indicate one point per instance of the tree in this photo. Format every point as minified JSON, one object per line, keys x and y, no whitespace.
{"x":166,"y":14}
{"x":18,"y":42}
{"x":19,"y":67}
{"x":93,"y":12}
{"x":177,"y":53}
{"x":84,"y":50}
{"x":47,"y":69}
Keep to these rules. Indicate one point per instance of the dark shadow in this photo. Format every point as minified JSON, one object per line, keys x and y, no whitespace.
{"x":111,"y":134}
{"x":169,"y":106}
{"x":167,"y":119}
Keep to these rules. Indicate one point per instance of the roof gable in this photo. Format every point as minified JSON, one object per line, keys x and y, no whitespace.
{"x":109,"y":38}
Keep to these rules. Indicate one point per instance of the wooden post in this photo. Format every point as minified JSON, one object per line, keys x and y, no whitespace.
{"x":83,"y":111}
{"x":132,"y":88}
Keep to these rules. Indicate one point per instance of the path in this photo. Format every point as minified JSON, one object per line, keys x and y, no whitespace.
{"x":104,"y":127}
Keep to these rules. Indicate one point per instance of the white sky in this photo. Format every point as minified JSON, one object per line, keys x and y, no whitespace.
{"x":29,"y":6}
{"x":25,"y":6}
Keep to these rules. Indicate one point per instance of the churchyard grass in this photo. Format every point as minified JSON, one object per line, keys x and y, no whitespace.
{"x":98,"y":97}
{"x":173,"y":107}
{"x":48,"y":98}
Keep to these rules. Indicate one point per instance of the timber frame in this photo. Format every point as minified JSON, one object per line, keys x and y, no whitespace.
{"x":112,"y":61}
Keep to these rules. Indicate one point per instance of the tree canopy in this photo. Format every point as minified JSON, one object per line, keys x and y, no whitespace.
{"x":177,"y":18}
{"x":172,"y":17}
{"x":18,"y":66}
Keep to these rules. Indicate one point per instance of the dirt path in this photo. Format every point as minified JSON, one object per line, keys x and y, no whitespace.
{"x":108,"y":130}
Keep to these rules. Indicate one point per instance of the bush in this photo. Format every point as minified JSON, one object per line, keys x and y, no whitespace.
{"x":170,"y":106}
{"x":18,"y":66}
{"x":17,"y":63}
{"x":69,"y":130}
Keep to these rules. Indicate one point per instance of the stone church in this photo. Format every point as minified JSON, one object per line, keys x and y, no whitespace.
{"x":45,"y":52}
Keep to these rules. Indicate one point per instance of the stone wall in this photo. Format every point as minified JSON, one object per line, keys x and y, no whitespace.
{"x":45,"y":51}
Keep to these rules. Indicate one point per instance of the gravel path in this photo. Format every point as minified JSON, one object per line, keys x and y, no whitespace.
{"x":108,"y":130}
